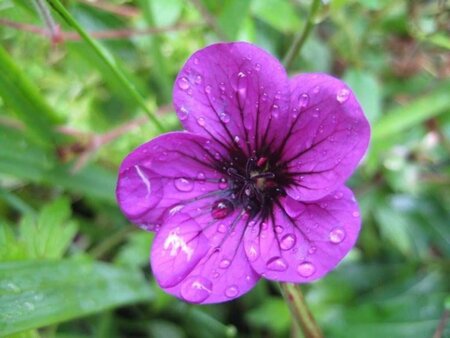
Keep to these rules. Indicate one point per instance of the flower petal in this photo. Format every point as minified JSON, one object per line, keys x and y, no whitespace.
{"x":164,"y":174}
{"x":202,"y":260}
{"x":329,"y":135}
{"x":302,"y":242}
{"x":235,"y":93}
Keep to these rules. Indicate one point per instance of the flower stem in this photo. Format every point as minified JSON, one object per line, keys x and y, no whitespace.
{"x":300,"y":38}
{"x":293,"y":296}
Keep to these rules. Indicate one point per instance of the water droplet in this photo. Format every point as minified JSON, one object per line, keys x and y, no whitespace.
{"x":208,"y":89}
{"x":277,"y":264}
{"x":241,"y":75}
{"x":231,"y":291}
{"x":316,"y":90}
{"x":13,"y":287}
{"x":224,"y":117}
{"x":304,"y":100}
{"x":312,"y":250}
{"x":287,"y":241}
{"x":196,"y":61}
{"x":337,"y":235}
{"x":236,"y":139}
{"x":198,"y":79}
{"x":252,"y":251}
{"x":257,"y":67}
{"x":221,"y":208}
{"x":223,"y":184}
{"x":248,"y":121}
{"x":316,"y":113}
{"x":201,"y":121}
{"x":279,"y":229}
{"x":216,"y":274}
{"x":342,"y":95}
{"x":196,"y":289}
{"x":29,"y":306}
{"x":184,"y":184}
{"x":183,"y":113}
{"x":338,"y":195}
{"x":222,"y":228}
{"x":201,"y":176}
{"x":222,"y":87}
{"x":355,"y":213}
{"x":224,"y":263}
{"x":183,"y":83}
{"x":306,"y":269}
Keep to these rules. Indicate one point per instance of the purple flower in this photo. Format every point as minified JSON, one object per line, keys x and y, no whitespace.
{"x":255,"y":185}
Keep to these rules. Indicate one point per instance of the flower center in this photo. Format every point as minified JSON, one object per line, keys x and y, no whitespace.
{"x":255,"y":183}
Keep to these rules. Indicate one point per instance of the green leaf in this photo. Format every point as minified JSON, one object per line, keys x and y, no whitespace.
{"x":404,"y":117}
{"x":25,"y":100}
{"x":34,"y":294}
{"x":273,"y":308}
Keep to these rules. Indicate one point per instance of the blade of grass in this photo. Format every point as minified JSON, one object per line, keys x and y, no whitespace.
{"x":23,"y":97}
{"x":108,"y":59}
{"x":404,"y":117}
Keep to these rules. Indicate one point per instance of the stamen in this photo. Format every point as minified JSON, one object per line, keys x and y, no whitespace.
{"x":263,"y":175}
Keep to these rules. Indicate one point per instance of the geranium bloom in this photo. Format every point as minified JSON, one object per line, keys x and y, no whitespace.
{"x":255,"y":185}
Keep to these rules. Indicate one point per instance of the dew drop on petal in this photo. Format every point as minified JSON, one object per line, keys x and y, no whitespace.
{"x":183,"y":83}
{"x":236,"y":139}
{"x":221,"y":208}
{"x":184,"y":184}
{"x":338,"y":195}
{"x":222,"y":87}
{"x":252,"y":251}
{"x":198,"y":79}
{"x":222,"y":228}
{"x":337,"y":235}
{"x":306,"y":269}
{"x":196,"y":61}
{"x":355,"y":214}
{"x":287,"y":241}
{"x":312,"y":249}
{"x":277,"y":264}
{"x":224,"y":263}
{"x":304,"y":100}
{"x":279,"y":229}
{"x":224,"y":117}
{"x":316,"y":90}
{"x":231,"y":291}
{"x":183,"y":113}
{"x":223,"y":184}
{"x":342,"y":95}
{"x":196,"y":289}
{"x":257,"y":67}
{"x":201,"y":121}
{"x":208,"y":89}
{"x":201,"y":176}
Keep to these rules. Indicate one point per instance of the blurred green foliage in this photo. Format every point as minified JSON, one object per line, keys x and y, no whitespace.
{"x":72,"y":266}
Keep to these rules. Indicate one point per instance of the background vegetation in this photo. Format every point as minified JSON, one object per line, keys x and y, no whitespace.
{"x":72,"y":266}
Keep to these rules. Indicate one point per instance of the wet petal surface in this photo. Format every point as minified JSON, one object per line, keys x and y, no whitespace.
{"x":165,"y":174}
{"x":235,"y":93}
{"x":301,"y":242}
{"x":328,"y":137}
{"x":201,"y":259}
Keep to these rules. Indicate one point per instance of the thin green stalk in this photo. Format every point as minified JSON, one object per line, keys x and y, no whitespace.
{"x":109,"y":61}
{"x":300,"y":38}
{"x":295,"y":300}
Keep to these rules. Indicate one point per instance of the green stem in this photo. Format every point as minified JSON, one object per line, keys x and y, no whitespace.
{"x":300,"y":38}
{"x":108,"y":59}
{"x":293,"y":296}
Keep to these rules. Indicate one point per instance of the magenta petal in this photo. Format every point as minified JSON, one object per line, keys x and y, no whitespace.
{"x":166,"y":173}
{"x":329,"y":135}
{"x":302,"y":242}
{"x":202,"y":260}
{"x":235,"y":93}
